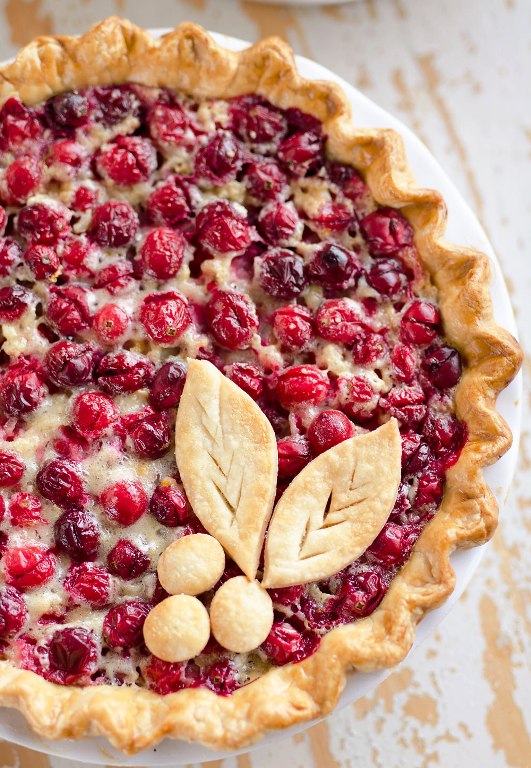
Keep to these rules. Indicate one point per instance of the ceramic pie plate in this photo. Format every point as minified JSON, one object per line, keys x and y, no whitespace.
{"x":463,"y":228}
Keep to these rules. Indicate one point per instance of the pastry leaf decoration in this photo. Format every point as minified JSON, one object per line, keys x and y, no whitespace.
{"x":227,"y":457}
{"x":334,"y":509}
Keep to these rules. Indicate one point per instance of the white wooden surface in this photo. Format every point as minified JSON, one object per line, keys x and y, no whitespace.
{"x":459,"y":74}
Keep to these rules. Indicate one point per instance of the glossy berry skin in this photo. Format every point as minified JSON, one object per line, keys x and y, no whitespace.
{"x":333,"y":217}
{"x":220,"y":160}
{"x":22,"y":179}
{"x":116,"y":279}
{"x":301,"y":153}
{"x":357,"y":397}
{"x":10,"y":255}
{"x":123,"y":624}
{"x":150,"y":436}
{"x":165,"y":316}
{"x":232,"y":319}
{"x":293,"y":455}
{"x":121,"y":372}
{"x":221,"y":228}
{"x":11,"y":469}
{"x":170,"y":506}
{"x":110,"y":323}
{"x":92,"y":414}
{"x":124,"y":502}
{"x":279,"y":223}
{"x":14,"y":301}
{"x":13,"y":612}
{"x":420,"y":323}
{"x":22,"y":388}
{"x":162,"y":253}
{"x":393,"y":544}
{"x":265,"y":181}
{"x":256,"y":121}
{"x":442,"y":366}
{"x":293,"y":326}
{"x":114,"y":103}
{"x":68,"y":309}
{"x":247,"y":377}
{"x":387,"y":276}
{"x":168,"y":385}
{"x":334,"y":267}
{"x":165,"y":677}
{"x":302,"y":384}
{"x":69,"y":364}
{"x":329,"y":428}
{"x":168,"y":205}
{"x":25,"y":510}
{"x":386,"y":232}
{"x":61,"y":481}
{"x":340,"y":321}
{"x":114,"y":224}
{"x":168,"y":124}
{"x":68,"y":110}
{"x":72,"y":655}
{"x":285,"y":644}
{"x":281,"y":274}
{"x":88,"y":583}
{"x":42,"y":260}
{"x":77,"y":534}
{"x":127,"y":160}
{"x":42,"y":225}
{"x":28,"y":567}
{"x":127,"y":561}
{"x":361,"y":594}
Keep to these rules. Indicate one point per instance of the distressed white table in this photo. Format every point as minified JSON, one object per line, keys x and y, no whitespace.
{"x":459,"y":73}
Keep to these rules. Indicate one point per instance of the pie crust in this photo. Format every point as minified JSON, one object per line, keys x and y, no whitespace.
{"x":188,"y":60}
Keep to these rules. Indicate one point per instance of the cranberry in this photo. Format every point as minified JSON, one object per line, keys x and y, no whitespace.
{"x":221,"y":228}
{"x":11,"y":469}
{"x":168,"y":386}
{"x":265,"y":181}
{"x":289,"y":597}
{"x":248,"y":377}
{"x":60,"y":481}
{"x":407,"y":404}
{"x":220,"y":160}
{"x":165,"y":316}
{"x":349,"y":181}
{"x":340,"y":321}
{"x":21,"y":389}
{"x":285,"y":644}
{"x":410,"y":446}
{"x":301,"y":153}
{"x":168,"y":124}
{"x":404,"y":363}
{"x":72,"y":654}
{"x":88,"y":583}
{"x":302,"y":384}
{"x":369,"y":350}
{"x":393,"y":544}
{"x":168,"y":205}
{"x":10,"y":255}
{"x":28,"y":566}
{"x":18,"y":125}
{"x":25,"y":510}
{"x":85,"y":199}
{"x":221,"y":677}
{"x":68,"y":110}
{"x":281,"y":273}
{"x":162,"y":253}
{"x":386,"y":232}
{"x":22,"y":179}
{"x":121,"y":372}
{"x":124,"y":502}
{"x":387,"y":276}
{"x":92,"y":414}
{"x":68,"y":309}
{"x":293,"y":327}
{"x":127,"y":160}
{"x":334,"y":267}
{"x":329,"y":428}
{"x":279,"y":223}
{"x":13,"y":612}
{"x":170,"y":506}
{"x":357,"y":397}
{"x":446,"y":436}
{"x":110,"y":323}
{"x":429,"y":489}
{"x":116,"y":278}
{"x":114,"y":224}
{"x":232,"y":319}
{"x":115,"y":103}
{"x":42,"y":260}
{"x":77,"y":534}
{"x":333,"y":217}
{"x":293,"y":455}
{"x":256,"y":121}
{"x":420,"y":323}
{"x":361,"y":594}
{"x":127,"y":561}
{"x":42,"y":224}
{"x":75,"y":254}
{"x":123,"y":624}
{"x":14,"y":301}
{"x":65,"y":159}
{"x":69,"y":364}
{"x":151,"y":435}
{"x":442,"y":366}
{"x":165,"y":677}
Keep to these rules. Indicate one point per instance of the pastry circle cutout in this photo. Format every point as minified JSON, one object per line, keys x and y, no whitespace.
{"x":241,"y":615}
{"x":177,"y":629}
{"x":191,"y":565}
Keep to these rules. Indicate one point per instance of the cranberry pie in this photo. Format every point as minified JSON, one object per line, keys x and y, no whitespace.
{"x":246,"y":396}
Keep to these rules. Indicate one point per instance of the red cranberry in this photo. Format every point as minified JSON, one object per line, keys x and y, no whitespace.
{"x":65,"y":159}
{"x":232,"y":319}
{"x":281,"y":273}
{"x":302,"y":384}
{"x":220,"y":160}
{"x":85,"y":199}
{"x":27,"y":567}
{"x":74,"y":256}
{"x":69,"y":364}
{"x":13,"y":612}
{"x":42,"y":260}
{"x":410,"y":444}
{"x":429,"y":489}
{"x":124,"y":502}
{"x":77,"y":534}
{"x":349,"y":181}
{"x":170,"y":506}
{"x":151,"y":435}
{"x":420,"y":323}
{"x":168,"y":205}
{"x":285,"y":644}
{"x":127,"y":561}
{"x":407,"y":404}
{"x":248,"y":377}
{"x":60,"y":481}
{"x":165,"y":316}
{"x":110,"y":323}
{"x":162,"y":253}
{"x":3,"y":219}
{"x":369,"y":350}
{"x":386,"y":232}
{"x":221,"y":228}
{"x":357,"y":397}
{"x":256,"y":121}
{"x":329,"y":428}
{"x":340,"y":321}
{"x":444,"y":433}
{"x":115,"y":103}
{"x":68,"y":309}
{"x":168,"y":386}
{"x":22,"y":179}
{"x":92,"y":414}
{"x":442,"y":366}
{"x":221,"y":677}
{"x":301,"y":153}
{"x":279,"y":223}
{"x":11,"y":469}
{"x":289,"y":597}
{"x":393,"y":544}
{"x":404,"y":363}
{"x":361,"y":594}
{"x":25,"y":510}
{"x":68,"y":110}
{"x":18,"y":125}
{"x":21,"y":389}
{"x":165,"y":677}
{"x":127,"y":160}
{"x":116,"y":278}
{"x":123,"y":624}
{"x":88,"y":583}
{"x":73,"y":655}
{"x":14,"y":301}
{"x":387,"y":276}
{"x":168,"y":124}
{"x":293,"y":455}
{"x":333,"y":217}
{"x":121,"y":372}
{"x":334,"y":267}
{"x":10,"y":255}
{"x":42,"y":224}
{"x":293,"y":327}
{"x":265,"y":181}
{"x":114,"y":224}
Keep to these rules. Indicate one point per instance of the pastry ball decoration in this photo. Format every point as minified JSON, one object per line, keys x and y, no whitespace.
{"x":191,"y":565}
{"x":241,"y":615}
{"x":177,"y":629}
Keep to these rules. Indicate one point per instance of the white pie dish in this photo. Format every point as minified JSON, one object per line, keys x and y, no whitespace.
{"x":463,"y":228}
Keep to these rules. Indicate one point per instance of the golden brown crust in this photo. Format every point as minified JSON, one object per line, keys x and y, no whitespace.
{"x":188,"y":59}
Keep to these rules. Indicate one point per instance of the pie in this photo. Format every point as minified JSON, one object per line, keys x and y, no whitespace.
{"x":247,"y":391}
